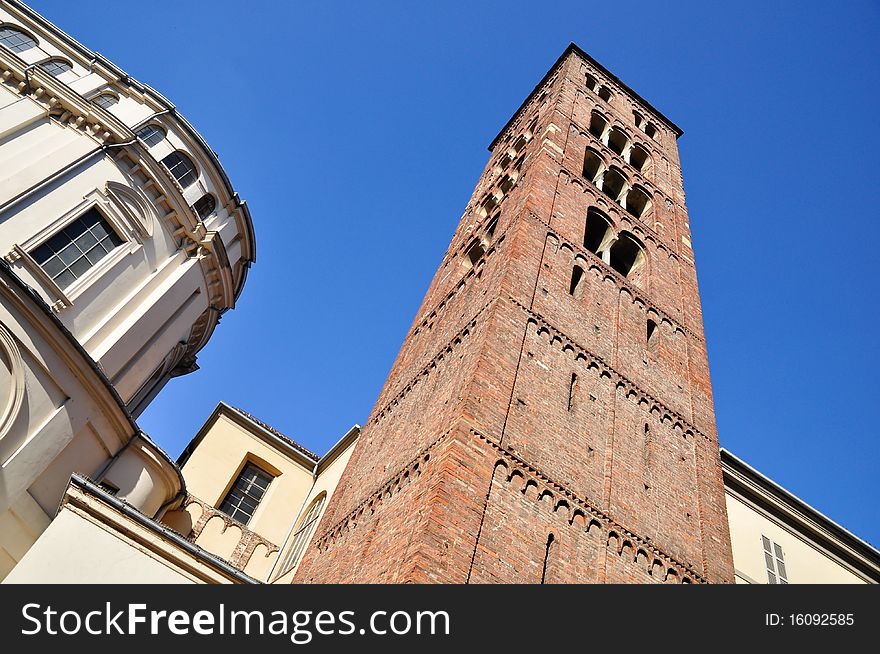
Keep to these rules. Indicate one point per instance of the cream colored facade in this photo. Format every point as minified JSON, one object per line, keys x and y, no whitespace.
{"x":90,"y":334}
{"x":813,"y":549}
{"x":193,"y":541}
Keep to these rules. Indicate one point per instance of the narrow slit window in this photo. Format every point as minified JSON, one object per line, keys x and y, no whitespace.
{"x":651,"y":333}
{"x":572,"y":389}
{"x":577,"y":277}
{"x":547,"y":552}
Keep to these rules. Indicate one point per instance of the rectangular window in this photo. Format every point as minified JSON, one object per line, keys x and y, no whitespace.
{"x":774,"y":561}
{"x":242,"y":499}
{"x":69,"y":254}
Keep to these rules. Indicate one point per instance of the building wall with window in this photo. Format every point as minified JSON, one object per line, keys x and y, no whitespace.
{"x":122,"y":242}
{"x":778,"y":538}
{"x":248,"y":485}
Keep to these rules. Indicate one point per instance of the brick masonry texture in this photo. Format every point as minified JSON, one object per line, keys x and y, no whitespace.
{"x":528,"y":434}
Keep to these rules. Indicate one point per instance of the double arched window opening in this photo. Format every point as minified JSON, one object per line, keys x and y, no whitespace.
{"x":621,"y":251}
{"x":614,"y":183}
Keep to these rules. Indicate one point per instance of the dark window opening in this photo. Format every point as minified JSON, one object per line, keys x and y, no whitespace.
{"x":597,"y":125}
{"x":577,"y":275}
{"x":591,"y":82}
{"x":572,"y":387}
{"x":493,"y":224}
{"x":651,"y":131}
{"x":596,"y":231}
{"x":205,"y":206}
{"x":547,"y":552}
{"x":605,"y":94}
{"x":639,"y":158}
{"x":637,"y":202}
{"x":617,"y":141}
{"x":474,"y":253}
{"x":613,"y":183}
{"x":593,"y":165}
{"x":243,"y":498}
{"x":626,"y":255}
{"x":652,"y":329}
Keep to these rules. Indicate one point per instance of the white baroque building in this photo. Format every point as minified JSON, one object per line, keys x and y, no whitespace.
{"x":122,"y":242}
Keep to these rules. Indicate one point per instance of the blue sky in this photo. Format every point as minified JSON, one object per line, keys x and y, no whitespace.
{"x":356,"y":132}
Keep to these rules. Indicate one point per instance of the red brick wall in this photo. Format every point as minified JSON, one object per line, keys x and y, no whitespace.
{"x":525,"y":434}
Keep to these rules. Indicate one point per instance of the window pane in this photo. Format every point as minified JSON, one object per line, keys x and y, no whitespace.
{"x":16,"y":40}
{"x":243,"y":498}
{"x":151,"y":134}
{"x":766,"y":542}
{"x":69,"y":254}
{"x":105,"y":100}
{"x":768,"y":559}
{"x":55,"y":67}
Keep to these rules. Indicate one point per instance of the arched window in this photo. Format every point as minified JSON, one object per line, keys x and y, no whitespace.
{"x":16,"y":40}
{"x":56,"y":67}
{"x":593,"y":165}
{"x":105,"y":100}
{"x":639,"y":158}
{"x":590,"y":82}
{"x":626,"y":254}
{"x":151,"y":134}
{"x":598,"y":123}
{"x":205,"y":206}
{"x":597,"y":231}
{"x":613,"y":184}
{"x":638,"y":202}
{"x":303,"y":534}
{"x":182,"y":167}
{"x":617,"y":140}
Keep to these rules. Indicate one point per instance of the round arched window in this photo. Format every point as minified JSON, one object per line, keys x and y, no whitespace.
{"x":182,"y":167}
{"x":205,"y":206}
{"x":105,"y":100}
{"x":16,"y":40}
{"x":56,"y":67}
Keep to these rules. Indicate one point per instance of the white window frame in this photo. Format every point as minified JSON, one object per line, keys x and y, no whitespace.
{"x":109,"y":208}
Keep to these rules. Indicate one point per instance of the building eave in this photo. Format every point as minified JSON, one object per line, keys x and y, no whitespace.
{"x":743,"y":479}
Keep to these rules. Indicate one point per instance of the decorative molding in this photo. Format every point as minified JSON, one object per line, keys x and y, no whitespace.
{"x":631,"y":389}
{"x":579,"y":513}
{"x":622,"y":282}
{"x":247,"y":543}
{"x":10,"y":357}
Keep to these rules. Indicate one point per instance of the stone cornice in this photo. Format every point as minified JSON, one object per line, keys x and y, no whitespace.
{"x":56,"y":97}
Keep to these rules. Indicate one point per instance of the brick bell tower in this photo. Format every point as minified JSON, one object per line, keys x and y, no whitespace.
{"x":549,"y":417}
